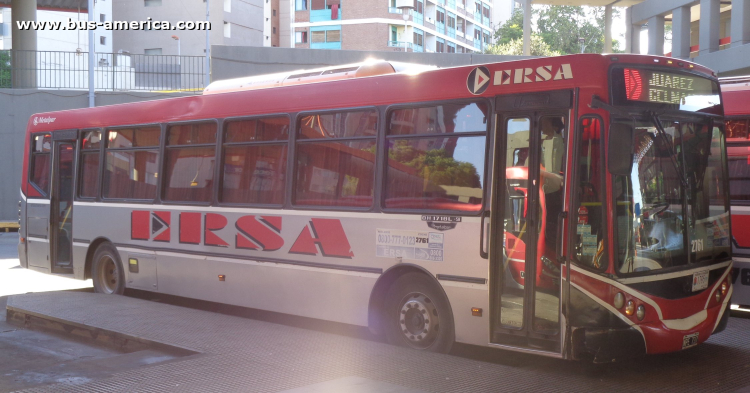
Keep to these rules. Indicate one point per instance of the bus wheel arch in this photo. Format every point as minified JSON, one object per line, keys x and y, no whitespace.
{"x":87,"y":272}
{"x":421,"y":282}
{"x":107,"y":271}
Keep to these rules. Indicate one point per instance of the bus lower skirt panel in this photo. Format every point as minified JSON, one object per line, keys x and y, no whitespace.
{"x":603,"y":345}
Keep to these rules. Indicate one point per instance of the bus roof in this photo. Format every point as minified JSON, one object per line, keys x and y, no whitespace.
{"x":427,"y":85}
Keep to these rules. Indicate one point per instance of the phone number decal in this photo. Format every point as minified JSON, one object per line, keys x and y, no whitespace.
{"x":424,"y":246}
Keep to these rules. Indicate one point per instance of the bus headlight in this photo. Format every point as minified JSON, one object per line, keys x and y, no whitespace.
{"x":640,"y":312}
{"x":630,"y":308}
{"x":724,"y":288}
{"x":619,"y":300}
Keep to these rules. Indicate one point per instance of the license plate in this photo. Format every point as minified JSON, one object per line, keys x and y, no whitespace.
{"x":700,"y":280}
{"x":690,"y":340}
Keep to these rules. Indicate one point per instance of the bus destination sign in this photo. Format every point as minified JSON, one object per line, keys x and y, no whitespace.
{"x":664,"y":87}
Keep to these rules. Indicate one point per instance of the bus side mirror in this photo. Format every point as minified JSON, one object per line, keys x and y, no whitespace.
{"x":620,"y":154}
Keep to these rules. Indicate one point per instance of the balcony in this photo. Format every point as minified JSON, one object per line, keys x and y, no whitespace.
{"x":403,"y":45}
{"x":394,"y":10}
{"x":112,"y":71}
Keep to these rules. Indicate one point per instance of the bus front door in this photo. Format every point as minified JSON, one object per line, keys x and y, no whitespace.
{"x":530,"y":189}
{"x":61,"y":203}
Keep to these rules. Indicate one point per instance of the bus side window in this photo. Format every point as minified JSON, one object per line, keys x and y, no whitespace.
{"x":39,"y":175}
{"x":589,"y":250}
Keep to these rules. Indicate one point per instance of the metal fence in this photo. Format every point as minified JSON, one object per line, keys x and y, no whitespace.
{"x":112,"y":71}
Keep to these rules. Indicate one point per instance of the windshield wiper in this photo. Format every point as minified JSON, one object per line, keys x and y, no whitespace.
{"x":680,"y":170}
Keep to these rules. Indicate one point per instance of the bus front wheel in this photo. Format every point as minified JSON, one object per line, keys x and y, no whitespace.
{"x":107,"y":273}
{"x":418,"y":315}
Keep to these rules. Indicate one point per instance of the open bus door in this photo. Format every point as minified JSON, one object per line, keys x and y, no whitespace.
{"x":61,"y":201}
{"x":528,"y":212}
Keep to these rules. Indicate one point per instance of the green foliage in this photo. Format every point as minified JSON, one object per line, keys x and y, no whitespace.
{"x":511,"y":30}
{"x":435,"y":165}
{"x":5,"y":77}
{"x":560,"y":27}
{"x":515,"y":47}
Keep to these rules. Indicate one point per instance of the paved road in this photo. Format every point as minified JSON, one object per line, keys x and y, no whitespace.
{"x":31,"y":358}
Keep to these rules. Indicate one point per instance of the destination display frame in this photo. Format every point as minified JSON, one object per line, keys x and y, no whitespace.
{"x":664,"y":88}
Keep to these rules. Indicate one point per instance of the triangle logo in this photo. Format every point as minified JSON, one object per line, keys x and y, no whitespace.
{"x":478,"y":80}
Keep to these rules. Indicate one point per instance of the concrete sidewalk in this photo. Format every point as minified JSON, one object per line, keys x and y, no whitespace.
{"x":246,"y":355}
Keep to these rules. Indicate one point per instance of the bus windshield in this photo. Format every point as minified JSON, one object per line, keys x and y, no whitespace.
{"x":672,"y":209}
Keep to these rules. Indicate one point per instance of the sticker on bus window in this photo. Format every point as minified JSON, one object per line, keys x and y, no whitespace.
{"x":584,"y":229}
{"x":423,"y":246}
{"x":589,"y":239}
{"x":588,"y":250}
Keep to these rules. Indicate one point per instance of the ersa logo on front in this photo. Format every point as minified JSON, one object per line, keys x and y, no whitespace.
{"x":479,"y":78}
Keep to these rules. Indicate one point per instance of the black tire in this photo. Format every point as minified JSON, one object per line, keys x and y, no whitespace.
{"x":106,"y":271}
{"x":417,"y":314}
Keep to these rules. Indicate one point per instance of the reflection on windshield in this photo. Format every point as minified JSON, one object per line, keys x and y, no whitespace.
{"x":672,"y":209}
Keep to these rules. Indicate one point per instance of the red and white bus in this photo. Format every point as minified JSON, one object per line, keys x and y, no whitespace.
{"x":572,"y":207}
{"x":736,"y":92}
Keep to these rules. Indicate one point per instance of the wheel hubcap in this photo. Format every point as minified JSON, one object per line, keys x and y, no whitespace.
{"x":418,"y":320}
{"x":108,"y":275}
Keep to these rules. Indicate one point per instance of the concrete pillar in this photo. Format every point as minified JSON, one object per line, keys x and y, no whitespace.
{"x":23,"y":43}
{"x":632,"y":33}
{"x":656,"y":35}
{"x":527,"y":27}
{"x":740,"y":32}
{"x":608,"y":28}
{"x":709,"y":27}
{"x":681,"y":33}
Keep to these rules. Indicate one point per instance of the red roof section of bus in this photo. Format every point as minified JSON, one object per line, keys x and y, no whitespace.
{"x":589,"y":72}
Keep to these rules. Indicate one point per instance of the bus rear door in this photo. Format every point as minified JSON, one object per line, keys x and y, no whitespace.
{"x":61,"y":201}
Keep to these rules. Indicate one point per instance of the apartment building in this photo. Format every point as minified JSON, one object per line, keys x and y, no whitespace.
{"x":451,"y":26}
{"x":233,"y":22}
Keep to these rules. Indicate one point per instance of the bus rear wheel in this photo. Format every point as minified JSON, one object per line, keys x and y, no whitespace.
{"x":418,"y":315}
{"x":107,"y":271}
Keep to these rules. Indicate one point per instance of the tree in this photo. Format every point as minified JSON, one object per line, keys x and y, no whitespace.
{"x":515,"y":47}
{"x":5,"y":69}
{"x":511,"y":30}
{"x":562,"y":26}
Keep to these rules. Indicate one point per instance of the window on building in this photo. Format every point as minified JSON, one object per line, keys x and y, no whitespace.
{"x":485,"y":11}
{"x":102,"y":18}
{"x":274,"y":12}
{"x":318,"y":36}
{"x":440,"y":17}
{"x":317,"y":4}
{"x":254,"y":160}
{"x":189,"y":165}
{"x":436,"y":157}
{"x":418,"y":7}
{"x":300,"y":5}
{"x":418,"y":39}
{"x":274,"y":30}
{"x":103,"y":40}
{"x":39,"y":167}
{"x":89,"y":181}
{"x":451,"y":48}
{"x":451,"y":21}
{"x":300,"y":37}
{"x":227,"y":29}
{"x":336,"y":159}
{"x":333,"y":35}
{"x":460,"y":25}
{"x":439,"y":47}
{"x":152,"y":51}
{"x":131,"y":163}
{"x":152,"y":3}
